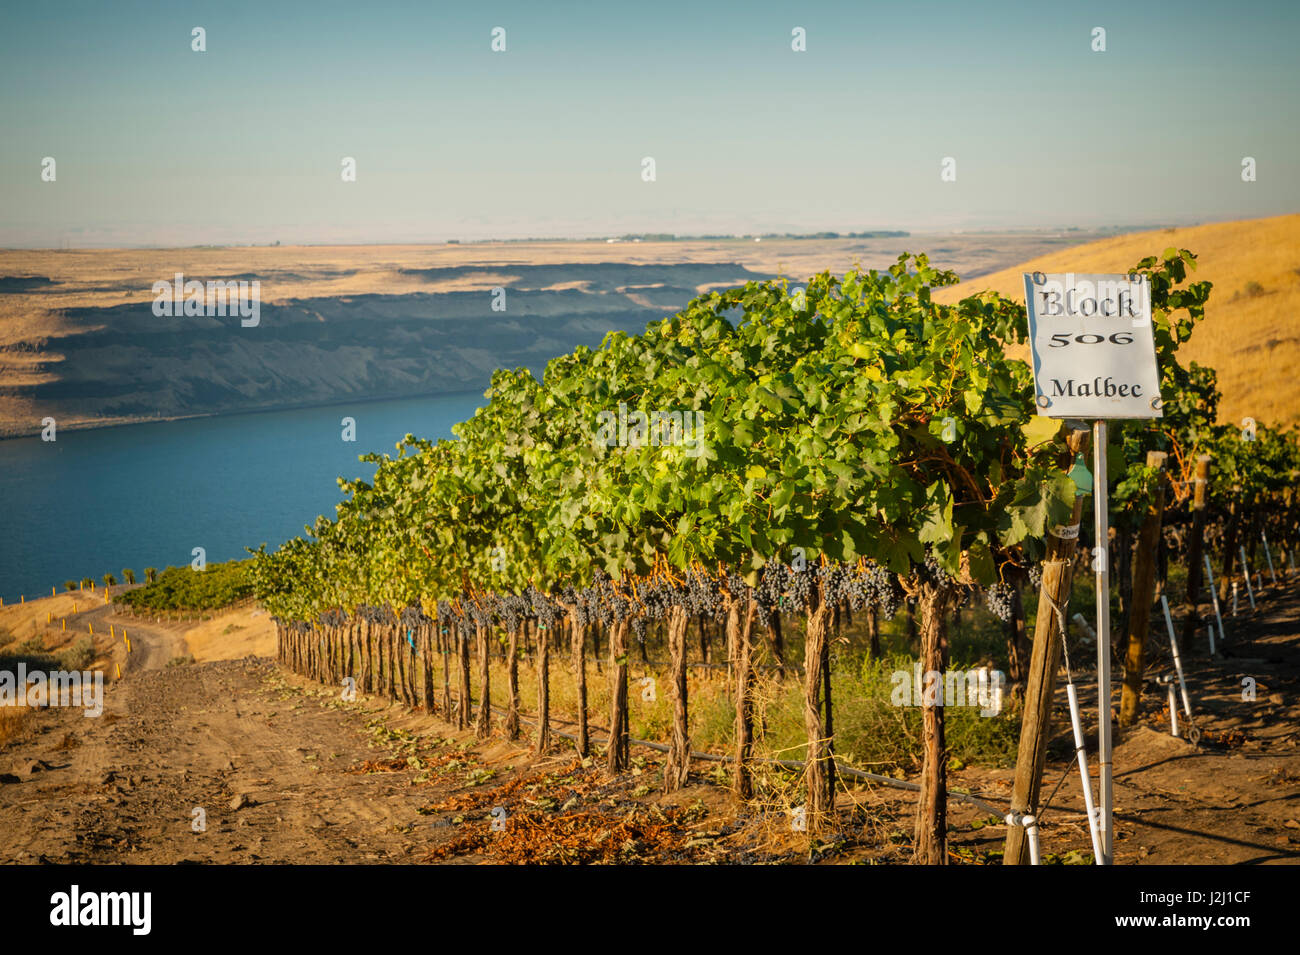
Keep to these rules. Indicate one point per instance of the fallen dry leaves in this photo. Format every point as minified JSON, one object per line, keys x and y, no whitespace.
{"x":591,"y":838}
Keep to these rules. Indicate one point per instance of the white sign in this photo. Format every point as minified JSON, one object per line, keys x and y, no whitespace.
{"x":1094,"y":351}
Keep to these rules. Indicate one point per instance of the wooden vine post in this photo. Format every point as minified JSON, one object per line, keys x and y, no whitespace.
{"x":1196,"y":547}
{"x":444,"y":644}
{"x":427,"y":631}
{"x":1040,"y":685}
{"x":543,"y":688}
{"x":483,"y":725}
{"x":678,"y":764}
{"x":512,"y":681}
{"x":820,"y":767}
{"x":930,"y":845}
{"x":1017,"y":643}
{"x":365,"y":682}
{"x":617,"y":751}
{"x":578,"y":642}
{"x":740,"y":621}
{"x":778,"y":642}
{"x":462,"y":660}
{"x":1144,"y":583}
{"x":1230,"y":544}
{"x":390,"y":663}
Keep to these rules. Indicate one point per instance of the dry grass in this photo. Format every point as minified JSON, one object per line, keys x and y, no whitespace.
{"x":232,"y":635}
{"x":871,"y":733}
{"x":711,"y":709}
{"x":1250,"y":334}
{"x":29,"y":617}
{"x":11,"y":721}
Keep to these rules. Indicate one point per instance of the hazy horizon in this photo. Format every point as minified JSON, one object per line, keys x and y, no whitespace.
{"x":618,"y":240}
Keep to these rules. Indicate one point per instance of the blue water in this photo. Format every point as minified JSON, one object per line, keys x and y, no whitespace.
{"x":94,"y":502}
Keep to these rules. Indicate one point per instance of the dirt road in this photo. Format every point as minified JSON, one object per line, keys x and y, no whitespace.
{"x":124,"y":787}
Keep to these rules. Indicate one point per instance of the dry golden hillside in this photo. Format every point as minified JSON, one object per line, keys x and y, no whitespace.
{"x":1251,"y":332}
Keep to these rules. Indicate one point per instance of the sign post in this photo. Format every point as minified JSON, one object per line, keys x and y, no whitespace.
{"x":1101,"y":568}
{"x":1094,"y":358}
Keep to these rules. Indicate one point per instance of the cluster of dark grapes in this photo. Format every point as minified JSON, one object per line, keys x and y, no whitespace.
{"x":930,"y":572}
{"x":546,"y":611}
{"x":876,"y":587}
{"x":771,"y":585}
{"x":412,"y":617}
{"x":583,"y":603}
{"x":333,"y":618}
{"x":620,"y":606}
{"x":453,"y":621}
{"x":998,"y":599}
{"x":657,"y":596}
{"x":702,"y":595}
{"x":447,"y":618}
{"x":836,"y":583}
{"x":1035,"y":575}
{"x":569,"y":597}
{"x":491,"y":604}
{"x":798,"y":589}
{"x":511,"y":610}
{"x":601,"y":595}
{"x":480,"y":613}
{"x":612,"y":601}
{"x":782,"y":588}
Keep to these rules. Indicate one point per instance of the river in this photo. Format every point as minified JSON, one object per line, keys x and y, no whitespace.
{"x":145,"y":495}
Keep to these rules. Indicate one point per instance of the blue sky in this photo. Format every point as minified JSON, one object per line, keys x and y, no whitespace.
{"x":158,"y":145}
